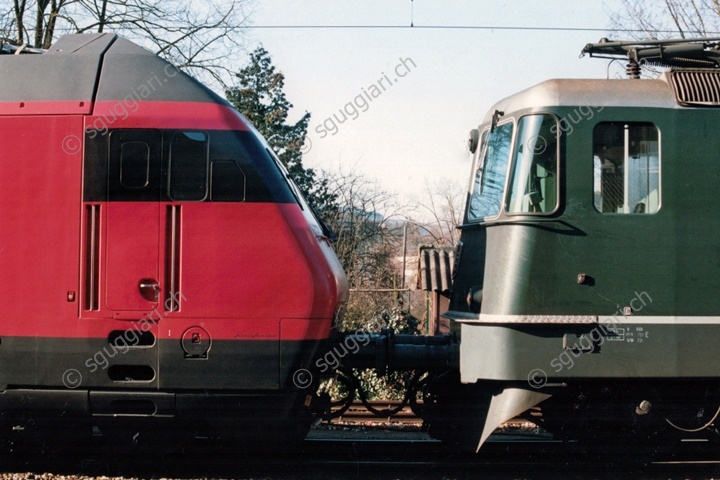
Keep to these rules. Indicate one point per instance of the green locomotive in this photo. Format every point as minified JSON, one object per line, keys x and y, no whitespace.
{"x":584,"y":283}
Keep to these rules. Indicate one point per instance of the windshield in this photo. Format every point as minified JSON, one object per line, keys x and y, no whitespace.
{"x":490,"y":175}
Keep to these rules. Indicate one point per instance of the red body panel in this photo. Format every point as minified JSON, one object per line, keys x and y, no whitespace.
{"x":40,"y":206}
{"x":190,"y":115}
{"x":46,"y":108}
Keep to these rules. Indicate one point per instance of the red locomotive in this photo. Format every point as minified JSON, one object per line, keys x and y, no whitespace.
{"x":158,"y":266}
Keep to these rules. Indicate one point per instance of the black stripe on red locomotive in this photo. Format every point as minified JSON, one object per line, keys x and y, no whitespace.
{"x":180,"y":165}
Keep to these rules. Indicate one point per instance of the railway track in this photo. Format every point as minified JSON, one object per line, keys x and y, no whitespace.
{"x":357,"y":414}
{"x":405,"y":455}
{"x":364,"y":448}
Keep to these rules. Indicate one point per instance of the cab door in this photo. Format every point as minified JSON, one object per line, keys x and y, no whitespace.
{"x":133,"y":221}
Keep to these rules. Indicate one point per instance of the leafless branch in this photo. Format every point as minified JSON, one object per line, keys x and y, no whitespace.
{"x":203,"y":40}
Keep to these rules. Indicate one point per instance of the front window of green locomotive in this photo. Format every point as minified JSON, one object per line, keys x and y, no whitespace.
{"x":626,"y":159}
{"x":491,"y":172}
{"x":533,"y":186}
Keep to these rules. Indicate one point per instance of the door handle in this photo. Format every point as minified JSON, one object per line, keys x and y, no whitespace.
{"x":149,"y":289}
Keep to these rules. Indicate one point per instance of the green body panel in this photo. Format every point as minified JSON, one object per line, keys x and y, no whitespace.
{"x":518,"y":354}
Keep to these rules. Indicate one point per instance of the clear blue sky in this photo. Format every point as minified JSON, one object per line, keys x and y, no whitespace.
{"x":417,"y":128}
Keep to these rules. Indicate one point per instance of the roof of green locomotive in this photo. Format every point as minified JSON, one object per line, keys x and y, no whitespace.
{"x":655,"y":93}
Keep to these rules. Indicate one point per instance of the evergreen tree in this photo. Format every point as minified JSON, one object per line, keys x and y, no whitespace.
{"x":261,"y":99}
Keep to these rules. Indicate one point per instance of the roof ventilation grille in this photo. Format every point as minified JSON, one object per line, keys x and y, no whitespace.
{"x":696,"y":87}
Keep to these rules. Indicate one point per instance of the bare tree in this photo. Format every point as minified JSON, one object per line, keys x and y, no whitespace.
{"x":368,"y":223}
{"x":649,"y":19}
{"x":25,"y":18}
{"x":201,"y":37}
{"x":440,"y":211}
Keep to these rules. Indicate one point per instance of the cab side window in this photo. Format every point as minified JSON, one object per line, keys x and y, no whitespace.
{"x":227,"y":181}
{"x":626,"y":166}
{"x":533,"y":186}
{"x":189,"y":166}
